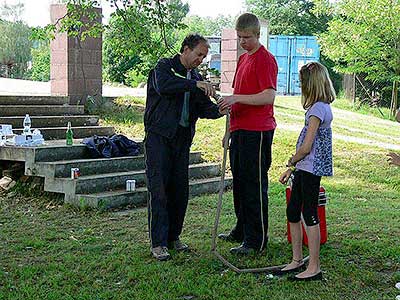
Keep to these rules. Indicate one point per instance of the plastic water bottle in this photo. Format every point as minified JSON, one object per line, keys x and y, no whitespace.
{"x":69,"y":136}
{"x":27,"y":125}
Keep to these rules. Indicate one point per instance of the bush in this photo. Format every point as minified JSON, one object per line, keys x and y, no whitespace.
{"x":134,"y":78}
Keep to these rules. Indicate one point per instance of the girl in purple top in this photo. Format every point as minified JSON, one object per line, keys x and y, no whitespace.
{"x":313,"y":159}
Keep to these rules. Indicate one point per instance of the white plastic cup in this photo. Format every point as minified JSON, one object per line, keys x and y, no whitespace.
{"x":131,"y":185}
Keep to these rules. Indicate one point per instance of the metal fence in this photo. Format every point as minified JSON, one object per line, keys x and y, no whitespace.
{"x":362,"y":91}
{"x":3,"y":70}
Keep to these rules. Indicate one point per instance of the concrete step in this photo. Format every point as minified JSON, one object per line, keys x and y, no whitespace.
{"x":53,"y":150}
{"x":41,"y":110}
{"x":52,"y":121}
{"x":58,"y":151}
{"x":115,"y":181}
{"x":61,"y":152}
{"x":98,"y":166}
{"x":33,"y":100}
{"x":55,"y":133}
{"x":118,"y":198}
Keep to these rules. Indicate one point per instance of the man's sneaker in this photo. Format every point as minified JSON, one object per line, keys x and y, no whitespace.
{"x":242,"y":250}
{"x":160,"y":253}
{"x":229,"y":237}
{"x":178,"y":245}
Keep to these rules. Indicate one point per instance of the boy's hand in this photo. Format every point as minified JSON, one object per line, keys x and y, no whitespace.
{"x":223,"y":112}
{"x":394,"y":159}
{"x":285,"y":176}
{"x":225,"y":103}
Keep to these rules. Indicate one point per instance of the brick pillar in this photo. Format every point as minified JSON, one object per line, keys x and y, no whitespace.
{"x":230,"y":52}
{"x":75,"y":66}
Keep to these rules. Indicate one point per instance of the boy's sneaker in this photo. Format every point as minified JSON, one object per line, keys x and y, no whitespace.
{"x":178,"y":245}
{"x":160,"y":253}
{"x":243,"y":250}
{"x":397,"y":285}
{"x":229,"y":237}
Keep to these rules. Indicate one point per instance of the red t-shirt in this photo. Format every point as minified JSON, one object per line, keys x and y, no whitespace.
{"x":254,"y":74}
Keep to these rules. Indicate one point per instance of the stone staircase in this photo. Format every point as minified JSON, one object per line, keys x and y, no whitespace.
{"x":102,"y":181}
{"x":50,"y":114}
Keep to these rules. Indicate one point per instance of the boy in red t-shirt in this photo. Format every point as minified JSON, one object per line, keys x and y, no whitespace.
{"x":252,"y":126}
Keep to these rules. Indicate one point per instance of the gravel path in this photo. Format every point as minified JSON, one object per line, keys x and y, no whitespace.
{"x":27,"y":87}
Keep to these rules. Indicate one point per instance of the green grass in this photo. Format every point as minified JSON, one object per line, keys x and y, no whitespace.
{"x":51,"y":251}
{"x":381,"y":112}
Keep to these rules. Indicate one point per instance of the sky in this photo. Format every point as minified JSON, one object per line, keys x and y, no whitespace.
{"x":37,"y":12}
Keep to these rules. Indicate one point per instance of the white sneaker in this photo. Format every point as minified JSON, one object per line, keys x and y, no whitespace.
{"x":398,"y":297}
{"x":160,"y":253}
{"x":397,"y":285}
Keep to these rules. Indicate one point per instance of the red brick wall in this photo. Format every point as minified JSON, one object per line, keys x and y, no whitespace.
{"x":230,"y":52}
{"x":75,"y":68}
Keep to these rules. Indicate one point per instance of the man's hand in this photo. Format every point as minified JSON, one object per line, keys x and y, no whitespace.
{"x":207,"y":87}
{"x":394,"y":159}
{"x":223,"y":141}
{"x":225,"y":103}
{"x":285,"y":176}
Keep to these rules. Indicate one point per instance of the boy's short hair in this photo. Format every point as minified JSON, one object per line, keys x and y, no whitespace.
{"x":248,"y":22}
{"x":192,"y":40}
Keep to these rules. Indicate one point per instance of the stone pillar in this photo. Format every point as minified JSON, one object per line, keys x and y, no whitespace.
{"x":75,"y":66}
{"x":230,"y":52}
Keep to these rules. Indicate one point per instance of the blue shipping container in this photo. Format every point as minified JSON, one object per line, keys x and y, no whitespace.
{"x":291,"y":53}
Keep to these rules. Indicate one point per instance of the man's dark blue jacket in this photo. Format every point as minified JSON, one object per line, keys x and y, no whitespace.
{"x":166,"y":87}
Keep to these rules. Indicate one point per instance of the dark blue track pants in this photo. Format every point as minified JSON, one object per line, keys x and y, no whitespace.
{"x":167,"y":162}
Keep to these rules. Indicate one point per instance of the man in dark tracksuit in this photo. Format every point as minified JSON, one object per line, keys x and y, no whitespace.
{"x":176,"y":98}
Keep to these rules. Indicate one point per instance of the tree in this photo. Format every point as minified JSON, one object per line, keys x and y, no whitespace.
{"x":134,"y":41}
{"x":15,"y":43}
{"x":363,"y":37}
{"x":208,"y":26}
{"x":289,"y":17}
{"x":139,"y":32}
{"x":40,"y":62}
{"x":295,"y":17}
{"x":11,"y":12}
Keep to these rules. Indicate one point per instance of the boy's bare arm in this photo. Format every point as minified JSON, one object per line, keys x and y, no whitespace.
{"x":265,"y":97}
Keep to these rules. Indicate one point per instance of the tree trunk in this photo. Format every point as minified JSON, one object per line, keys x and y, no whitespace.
{"x":394,"y":103}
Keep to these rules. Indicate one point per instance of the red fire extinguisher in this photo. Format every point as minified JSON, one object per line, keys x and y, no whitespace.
{"x":322,"y":201}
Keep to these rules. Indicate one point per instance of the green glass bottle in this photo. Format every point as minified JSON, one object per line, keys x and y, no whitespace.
{"x":69,"y":135}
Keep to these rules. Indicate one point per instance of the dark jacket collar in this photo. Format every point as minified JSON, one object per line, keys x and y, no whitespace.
{"x":178,"y":67}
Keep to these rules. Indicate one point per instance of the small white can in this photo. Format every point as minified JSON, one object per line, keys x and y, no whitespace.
{"x":131,"y":185}
{"x":75,"y":173}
